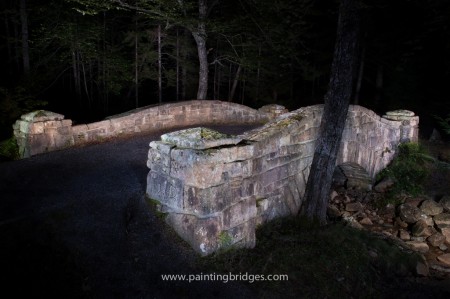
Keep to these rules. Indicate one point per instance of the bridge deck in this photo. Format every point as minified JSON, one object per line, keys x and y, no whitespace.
{"x":87,"y":204}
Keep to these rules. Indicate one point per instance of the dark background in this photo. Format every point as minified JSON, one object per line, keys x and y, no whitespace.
{"x":84,"y":65}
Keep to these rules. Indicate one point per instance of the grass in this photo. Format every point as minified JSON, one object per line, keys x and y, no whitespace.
{"x":335,"y":261}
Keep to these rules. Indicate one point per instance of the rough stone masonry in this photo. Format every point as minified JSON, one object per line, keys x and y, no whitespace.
{"x":216,"y":189}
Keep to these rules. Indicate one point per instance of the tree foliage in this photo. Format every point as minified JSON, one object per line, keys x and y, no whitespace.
{"x":84,"y":54}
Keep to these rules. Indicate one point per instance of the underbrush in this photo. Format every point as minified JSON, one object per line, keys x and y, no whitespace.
{"x":409,"y":170}
{"x":9,"y":149}
{"x":335,"y":261}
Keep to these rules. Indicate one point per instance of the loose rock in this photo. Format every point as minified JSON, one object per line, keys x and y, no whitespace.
{"x":418,"y":246}
{"x":445,"y":203}
{"x":442,"y":219}
{"x":436,"y":239}
{"x":431,"y":208}
{"x":445,"y":259}
{"x":384,"y":185}
{"x":353,"y":207}
{"x":400,"y":222}
{"x":421,"y":229}
{"x":409,"y":214}
{"x":445,"y":231}
{"x":366,"y":221}
{"x":404,"y":235}
{"x":422,"y":269}
{"x":333,"y":211}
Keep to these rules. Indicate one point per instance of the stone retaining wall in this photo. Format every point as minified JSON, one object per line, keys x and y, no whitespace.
{"x":43,"y":131}
{"x":216,"y":189}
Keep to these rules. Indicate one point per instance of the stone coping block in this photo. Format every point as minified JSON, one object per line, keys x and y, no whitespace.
{"x":199,"y":138}
{"x":41,"y":115}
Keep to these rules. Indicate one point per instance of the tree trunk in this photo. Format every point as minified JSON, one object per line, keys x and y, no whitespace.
{"x":178,"y":68}
{"x":258,"y":71}
{"x":200,"y":39}
{"x":8,"y":44}
{"x":235,"y":83}
{"x":76,"y":73}
{"x":25,"y":46}
{"x":360,"y":76}
{"x":17,"y":47}
{"x":337,"y":100}
{"x":379,"y":86}
{"x":159,"y":66}
{"x":136,"y":63}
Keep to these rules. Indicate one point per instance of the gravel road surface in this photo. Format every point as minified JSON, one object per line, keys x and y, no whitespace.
{"x":75,"y":224}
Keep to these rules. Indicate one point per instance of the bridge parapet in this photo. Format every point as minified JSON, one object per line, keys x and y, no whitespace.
{"x":215,"y":196}
{"x":44,"y":131}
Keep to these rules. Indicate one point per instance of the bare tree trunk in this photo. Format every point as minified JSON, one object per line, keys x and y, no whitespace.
{"x":25,"y":37}
{"x":337,"y":100}
{"x":229,"y":81}
{"x":379,"y":85}
{"x":215,"y":83}
{"x":183,"y":78}
{"x":243,"y":90}
{"x":200,"y":39}
{"x":17,"y":47}
{"x":178,"y":68}
{"x":159,"y":66}
{"x":258,"y":73}
{"x":76,"y":73}
{"x":136,"y":64}
{"x":8,"y":44}
{"x":360,"y":76}
{"x":235,"y":82}
{"x":86,"y":89}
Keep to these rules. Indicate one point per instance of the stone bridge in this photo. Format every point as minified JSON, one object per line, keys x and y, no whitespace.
{"x":44,"y":131}
{"x":216,"y":189}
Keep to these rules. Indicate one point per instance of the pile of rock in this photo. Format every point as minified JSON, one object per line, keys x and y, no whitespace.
{"x":420,"y":224}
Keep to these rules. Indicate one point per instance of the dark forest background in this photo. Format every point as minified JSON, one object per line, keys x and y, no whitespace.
{"x":89,"y":59}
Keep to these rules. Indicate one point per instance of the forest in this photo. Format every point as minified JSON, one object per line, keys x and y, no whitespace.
{"x":88,"y":59}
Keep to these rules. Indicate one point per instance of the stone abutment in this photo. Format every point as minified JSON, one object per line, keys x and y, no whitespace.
{"x":217,"y":189}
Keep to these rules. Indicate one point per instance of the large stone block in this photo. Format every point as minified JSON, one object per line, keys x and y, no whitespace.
{"x":167,"y":190}
{"x":239,"y":213}
{"x":203,"y":234}
{"x":206,"y":201}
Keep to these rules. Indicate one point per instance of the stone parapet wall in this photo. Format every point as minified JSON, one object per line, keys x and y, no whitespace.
{"x":44,"y":131}
{"x":215,"y":195}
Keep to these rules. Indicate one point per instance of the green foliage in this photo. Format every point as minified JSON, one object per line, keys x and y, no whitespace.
{"x":444,"y":123}
{"x":225,"y":240}
{"x":321,"y":262}
{"x":14,"y":103}
{"x":409,"y":169}
{"x":9,"y":149}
